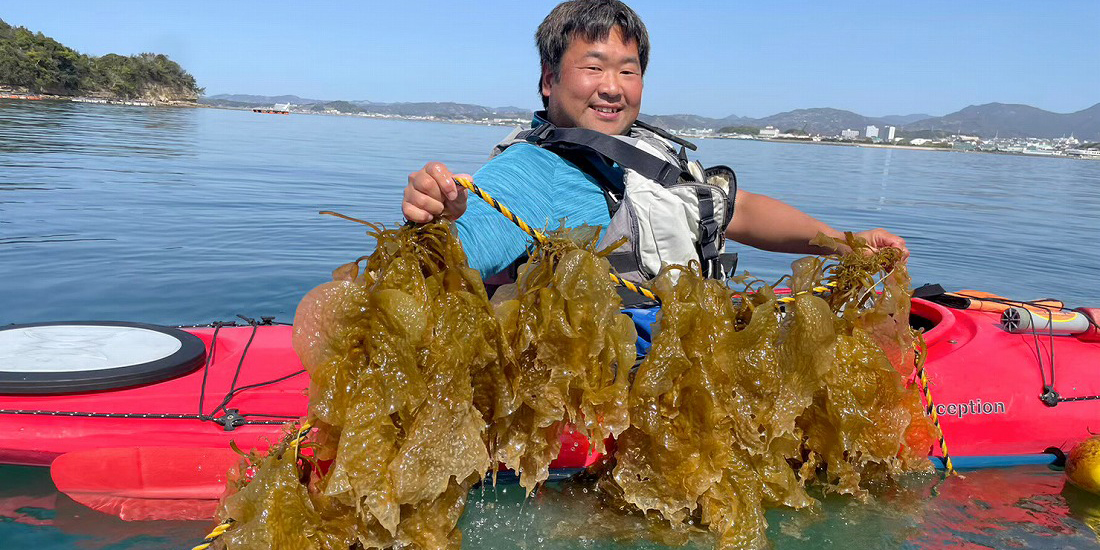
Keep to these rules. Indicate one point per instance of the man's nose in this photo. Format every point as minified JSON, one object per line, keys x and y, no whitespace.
{"x":610,"y":86}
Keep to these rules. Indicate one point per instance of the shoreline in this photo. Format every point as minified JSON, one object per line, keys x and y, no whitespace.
{"x":909,"y":147}
{"x":131,"y":102}
{"x":487,"y":122}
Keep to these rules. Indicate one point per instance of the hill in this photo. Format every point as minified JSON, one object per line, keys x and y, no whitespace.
{"x":258,"y":100}
{"x":823,"y":121}
{"x":685,"y":122}
{"x":902,"y":120}
{"x":1013,"y":120}
{"x":35,"y":63}
{"x":984,"y":120}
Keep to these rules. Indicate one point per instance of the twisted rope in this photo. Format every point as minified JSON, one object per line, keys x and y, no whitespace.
{"x":540,"y":238}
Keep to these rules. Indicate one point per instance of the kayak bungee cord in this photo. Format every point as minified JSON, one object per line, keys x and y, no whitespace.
{"x":232,"y":416}
{"x":1049,"y":395}
{"x":224,"y":526}
{"x":541,"y":239}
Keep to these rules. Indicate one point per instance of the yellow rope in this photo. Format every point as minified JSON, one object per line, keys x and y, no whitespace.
{"x":540,"y":238}
{"x":213,"y":536}
{"x":814,"y":290}
{"x":930,"y":410}
{"x":224,"y":526}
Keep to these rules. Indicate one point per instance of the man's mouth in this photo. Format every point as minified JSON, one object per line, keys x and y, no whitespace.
{"x":607,"y":113}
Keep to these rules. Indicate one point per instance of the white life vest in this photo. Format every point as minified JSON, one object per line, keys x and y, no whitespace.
{"x":671,"y":210}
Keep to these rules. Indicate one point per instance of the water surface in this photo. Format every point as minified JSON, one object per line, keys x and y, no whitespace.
{"x":180,"y":216}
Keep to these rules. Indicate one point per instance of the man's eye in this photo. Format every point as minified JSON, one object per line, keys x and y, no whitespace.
{"x":593,"y":68}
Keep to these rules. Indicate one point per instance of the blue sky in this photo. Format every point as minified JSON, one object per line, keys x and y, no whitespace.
{"x":712,"y":58}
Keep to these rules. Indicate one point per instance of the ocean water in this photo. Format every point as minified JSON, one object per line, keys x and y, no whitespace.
{"x":181,"y":216}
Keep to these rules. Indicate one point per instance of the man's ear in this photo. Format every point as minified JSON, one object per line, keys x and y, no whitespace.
{"x":547,"y":81}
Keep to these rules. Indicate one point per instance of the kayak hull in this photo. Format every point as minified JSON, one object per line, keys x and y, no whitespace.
{"x":43,"y":427}
{"x":986,"y":384}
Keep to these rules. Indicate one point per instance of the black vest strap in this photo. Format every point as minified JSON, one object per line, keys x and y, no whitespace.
{"x":649,"y":166}
{"x":708,"y":230}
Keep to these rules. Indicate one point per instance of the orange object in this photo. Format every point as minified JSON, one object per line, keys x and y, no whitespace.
{"x":987,"y":301}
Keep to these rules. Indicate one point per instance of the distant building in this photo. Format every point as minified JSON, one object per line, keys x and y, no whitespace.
{"x":769,"y":132}
{"x":888,"y":134}
{"x":849,"y":134}
{"x":919,"y":141}
{"x":872,"y":131}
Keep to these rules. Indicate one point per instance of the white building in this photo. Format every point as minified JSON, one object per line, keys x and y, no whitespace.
{"x":872,"y":131}
{"x":849,"y":134}
{"x":888,"y":134}
{"x":769,"y":132}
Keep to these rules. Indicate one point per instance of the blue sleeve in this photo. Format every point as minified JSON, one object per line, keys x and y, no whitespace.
{"x":539,"y":187}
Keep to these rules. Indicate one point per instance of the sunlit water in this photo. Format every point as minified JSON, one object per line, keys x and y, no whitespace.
{"x":187,"y":216}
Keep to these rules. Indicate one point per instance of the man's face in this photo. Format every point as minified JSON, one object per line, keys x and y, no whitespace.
{"x":599,"y":85}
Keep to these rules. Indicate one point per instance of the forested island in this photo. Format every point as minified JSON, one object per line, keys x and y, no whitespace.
{"x":37,"y":64}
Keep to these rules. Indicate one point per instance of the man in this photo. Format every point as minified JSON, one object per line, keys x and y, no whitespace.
{"x":593,"y":55}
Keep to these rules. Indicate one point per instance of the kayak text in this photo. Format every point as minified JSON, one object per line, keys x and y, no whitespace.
{"x":974,"y":406}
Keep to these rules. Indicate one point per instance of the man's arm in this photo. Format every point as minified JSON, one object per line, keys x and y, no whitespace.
{"x":769,"y":224}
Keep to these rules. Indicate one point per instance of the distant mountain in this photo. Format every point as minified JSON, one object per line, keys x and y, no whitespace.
{"x":1014,"y":120}
{"x":901,"y":120}
{"x":823,"y":121}
{"x":685,"y":122}
{"x":260,"y":99}
{"x":993,"y":119}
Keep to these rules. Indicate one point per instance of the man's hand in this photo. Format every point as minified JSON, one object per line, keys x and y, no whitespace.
{"x":881,"y":238}
{"x":433,"y":193}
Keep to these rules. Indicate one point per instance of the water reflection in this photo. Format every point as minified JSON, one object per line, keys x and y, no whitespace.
{"x":34,"y":515}
{"x":45,"y":127}
{"x":1025,"y":507}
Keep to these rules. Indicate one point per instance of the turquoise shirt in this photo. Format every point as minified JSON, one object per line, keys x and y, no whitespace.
{"x":538,"y":186}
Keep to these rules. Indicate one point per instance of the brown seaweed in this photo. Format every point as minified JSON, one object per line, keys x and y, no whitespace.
{"x":574,"y":347}
{"x":392,"y":350}
{"x":420,"y":385}
{"x":738,"y":408}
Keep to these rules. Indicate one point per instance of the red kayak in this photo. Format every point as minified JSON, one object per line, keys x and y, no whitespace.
{"x":1009,"y":379}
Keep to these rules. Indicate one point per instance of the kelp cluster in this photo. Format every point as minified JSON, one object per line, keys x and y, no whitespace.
{"x":741,"y":404}
{"x":392,"y":349}
{"x":420,"y":385}
{"x":573,"y":349}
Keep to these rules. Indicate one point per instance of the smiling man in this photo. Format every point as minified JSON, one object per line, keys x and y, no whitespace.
{"x":593,"y":56}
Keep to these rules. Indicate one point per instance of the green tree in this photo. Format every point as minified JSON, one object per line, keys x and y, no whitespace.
{"x":739,"y":130}
{"x":44,"y":65}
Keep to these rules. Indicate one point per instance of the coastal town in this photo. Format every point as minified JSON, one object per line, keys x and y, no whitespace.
{"x":887,"y":136}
